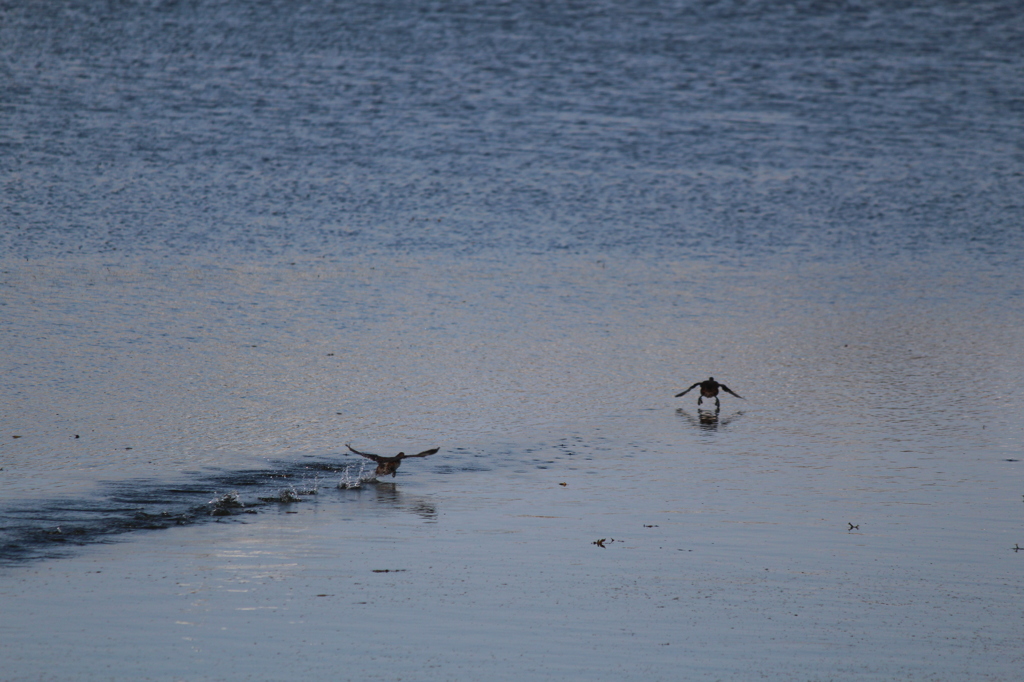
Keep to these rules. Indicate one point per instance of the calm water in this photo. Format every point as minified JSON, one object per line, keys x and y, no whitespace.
{"x":234,"y":238}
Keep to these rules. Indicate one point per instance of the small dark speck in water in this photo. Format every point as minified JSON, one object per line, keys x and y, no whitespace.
{"x":1011,"y":460}
{"x":388,"y":570}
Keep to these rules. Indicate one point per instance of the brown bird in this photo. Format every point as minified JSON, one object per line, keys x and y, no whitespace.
{"x":389,"y":465}
{"x":709,"y":389}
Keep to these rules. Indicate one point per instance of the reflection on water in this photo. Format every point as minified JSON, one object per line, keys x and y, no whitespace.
{"x":390,"y":493}
{"x":708,"y":420}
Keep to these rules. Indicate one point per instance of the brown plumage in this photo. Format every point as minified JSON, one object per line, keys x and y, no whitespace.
{"x":709,"y":389}
{"x":389,"y":465}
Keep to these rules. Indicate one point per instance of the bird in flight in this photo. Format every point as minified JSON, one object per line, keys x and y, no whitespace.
{"x":709,"y":389}
{"x":389,"y":465}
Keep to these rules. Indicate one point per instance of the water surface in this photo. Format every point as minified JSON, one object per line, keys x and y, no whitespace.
{"x":234,"y":239}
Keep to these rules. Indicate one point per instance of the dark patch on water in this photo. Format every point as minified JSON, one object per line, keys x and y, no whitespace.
{"x":46,"y":529}
{"x":53,"y":528}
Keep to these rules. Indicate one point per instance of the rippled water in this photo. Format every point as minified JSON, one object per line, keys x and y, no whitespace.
{"x":740,"y":129}
{"x":234,"y":239}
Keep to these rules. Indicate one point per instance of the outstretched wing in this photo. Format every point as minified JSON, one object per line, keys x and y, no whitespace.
{"x":690,"y":389}
{"x":367,"y":455}
{"x":728,"y":390}
{"x":425,"y":453}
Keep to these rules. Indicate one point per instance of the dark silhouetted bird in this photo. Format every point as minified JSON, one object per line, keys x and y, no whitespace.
{"x":389,"y":465}
{"x":709,"y":389}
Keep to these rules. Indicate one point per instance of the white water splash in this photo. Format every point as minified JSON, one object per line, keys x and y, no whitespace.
{"x":362,"y":476}
{"x":222,"y":504}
